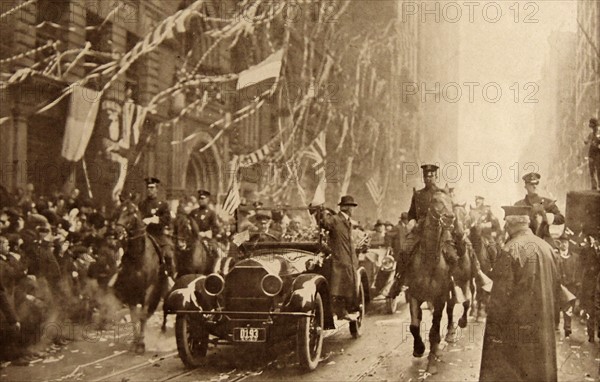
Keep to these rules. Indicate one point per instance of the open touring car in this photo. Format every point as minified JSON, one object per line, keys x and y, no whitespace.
{"x":274,"y":291}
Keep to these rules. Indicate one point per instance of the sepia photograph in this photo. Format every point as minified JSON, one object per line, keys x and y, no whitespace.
{"x":299,"y":190}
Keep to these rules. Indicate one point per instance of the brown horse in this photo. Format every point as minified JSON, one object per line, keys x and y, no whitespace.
{"x":428,"y":277}
{"x":192,"y":252}
{"x":485,"y":251}
{"x":462,"y":274}
{"x":142,"y":279}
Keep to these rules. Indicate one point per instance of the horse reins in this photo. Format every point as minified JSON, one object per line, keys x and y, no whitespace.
{"x":443,"y":222}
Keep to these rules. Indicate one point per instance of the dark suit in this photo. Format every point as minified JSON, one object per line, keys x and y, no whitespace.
{"x":419,"y":205}
{"x":549,"y":206}
{"x":344,"y":262}
{"x":206,"y":219}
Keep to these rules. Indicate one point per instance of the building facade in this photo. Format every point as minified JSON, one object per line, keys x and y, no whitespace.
{"x":587,"y":83}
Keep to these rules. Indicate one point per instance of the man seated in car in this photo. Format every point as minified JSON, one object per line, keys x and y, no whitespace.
{"x":263,"y":231}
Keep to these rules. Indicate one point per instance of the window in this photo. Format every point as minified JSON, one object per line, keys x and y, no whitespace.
{"x":51,"y":24}
{"x":132,"y":76}
{"x":99,"y":37}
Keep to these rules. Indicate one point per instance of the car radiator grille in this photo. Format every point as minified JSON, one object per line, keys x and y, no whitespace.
{"x":243,"y":291}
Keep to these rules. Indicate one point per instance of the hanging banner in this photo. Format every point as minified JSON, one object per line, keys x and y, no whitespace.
{"x":81,"y":118}
{"x":269,"y":68}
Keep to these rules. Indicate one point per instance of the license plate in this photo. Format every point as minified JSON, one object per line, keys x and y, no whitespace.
{"x":249,"y":334}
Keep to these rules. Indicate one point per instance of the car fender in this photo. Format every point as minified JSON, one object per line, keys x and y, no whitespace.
{"x":303,"y":291}
{"x":188,"y":294}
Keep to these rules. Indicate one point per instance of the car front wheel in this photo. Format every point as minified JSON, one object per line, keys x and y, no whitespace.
{"x":192,"y":339}
{"x":310,"y":336}
{"x":356,"y":326}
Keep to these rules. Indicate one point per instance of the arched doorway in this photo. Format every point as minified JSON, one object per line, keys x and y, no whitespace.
{"x":202,"y":173}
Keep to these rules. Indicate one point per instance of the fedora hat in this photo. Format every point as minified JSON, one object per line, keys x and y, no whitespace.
{"x":347,"y":200}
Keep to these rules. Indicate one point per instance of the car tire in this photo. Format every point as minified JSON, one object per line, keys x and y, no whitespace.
{"x":356,"y":326}
{"x":309,"y":336}
{"x":192,"y":340}
{"x":391,"y":305}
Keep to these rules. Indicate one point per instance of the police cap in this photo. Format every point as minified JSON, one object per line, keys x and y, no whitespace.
{"x":532,"y":178}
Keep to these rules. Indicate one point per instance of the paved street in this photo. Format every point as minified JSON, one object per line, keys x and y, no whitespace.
{"x":383,"y":353}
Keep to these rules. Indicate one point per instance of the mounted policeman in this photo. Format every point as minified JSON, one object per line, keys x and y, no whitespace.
{"x":157,"y":217}
{"x":207,"y":222}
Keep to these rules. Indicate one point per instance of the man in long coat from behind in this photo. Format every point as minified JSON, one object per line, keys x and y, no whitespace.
{"x":519,"y":342}
{"x":344,"y":261}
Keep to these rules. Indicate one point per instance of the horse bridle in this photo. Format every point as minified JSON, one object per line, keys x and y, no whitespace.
{"x":443,"y":221}
{"x":128,"y":235}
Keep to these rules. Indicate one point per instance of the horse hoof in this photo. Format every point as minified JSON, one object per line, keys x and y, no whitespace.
{"x":450,"y":337}
{"x":432,"y":368}
{"x":462,"y":323}
{"x":140,"y":348}
{"x":418,"y":350}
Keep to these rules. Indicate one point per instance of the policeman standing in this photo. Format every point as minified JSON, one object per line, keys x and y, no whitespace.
{"x":157,"y":217}
{"x":206,"y":219}
{"x":545,"y":208}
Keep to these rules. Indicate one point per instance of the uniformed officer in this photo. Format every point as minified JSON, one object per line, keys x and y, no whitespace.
{"x":207,"y":222}
{"x":422,"y":198}
{"x":157,"y":217}
{"x":541,"y":206}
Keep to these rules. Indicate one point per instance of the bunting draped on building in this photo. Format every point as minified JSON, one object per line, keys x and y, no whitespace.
{"x":317,"y":152}
{"x":377,"y":193}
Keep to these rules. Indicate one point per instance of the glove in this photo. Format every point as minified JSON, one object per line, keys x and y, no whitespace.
{"x":151,"y":220}
{"x":550,"y":217}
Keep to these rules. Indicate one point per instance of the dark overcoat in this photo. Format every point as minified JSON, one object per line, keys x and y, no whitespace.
{"x":344,"y":262}
{"x":519,"y":343}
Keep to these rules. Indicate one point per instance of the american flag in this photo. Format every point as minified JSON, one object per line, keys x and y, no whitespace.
{"x":232,"y":199}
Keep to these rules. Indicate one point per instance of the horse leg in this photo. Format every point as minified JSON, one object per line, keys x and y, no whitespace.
{"x":163,"y":327}
{"x":462,"y":321}
{"x":415,"y":327}
{"x":135,"y":317}
{"x":434,"y":334}
{"x":140,"y":346}
{"x":451,"y":329}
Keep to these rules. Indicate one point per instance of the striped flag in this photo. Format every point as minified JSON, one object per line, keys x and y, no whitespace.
{"x":376,"y":193}
{"x":232,"y":199}
{"x":317,"y":152}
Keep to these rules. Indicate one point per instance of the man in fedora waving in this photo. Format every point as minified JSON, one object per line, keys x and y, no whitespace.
{"x":344,"y":262}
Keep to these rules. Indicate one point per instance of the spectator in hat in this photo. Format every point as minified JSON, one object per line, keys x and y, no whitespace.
{"x":157,"y":217}
{"x":544,"y":211}
{"x":388,"y":226}
{"x":593,"y":140}
{"x":343,"y":262}
{"x":519,"y":341}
